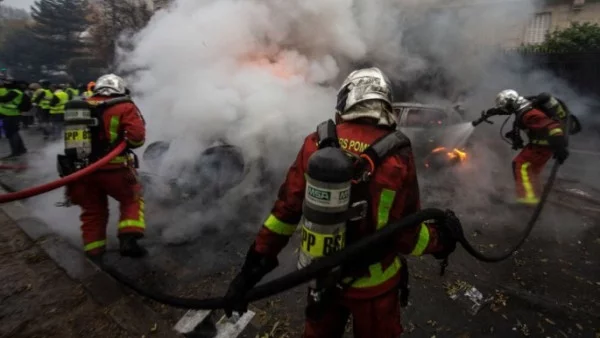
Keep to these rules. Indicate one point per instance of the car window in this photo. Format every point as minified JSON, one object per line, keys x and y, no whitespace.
{"x":426,"y":118}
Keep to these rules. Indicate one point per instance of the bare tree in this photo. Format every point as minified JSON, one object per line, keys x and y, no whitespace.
{"x":115,"y":21}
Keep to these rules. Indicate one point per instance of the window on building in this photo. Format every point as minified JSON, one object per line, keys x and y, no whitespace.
{"x":537,"y":29}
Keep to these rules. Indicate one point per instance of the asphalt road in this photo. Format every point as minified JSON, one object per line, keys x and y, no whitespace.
{"x":550,"y":288}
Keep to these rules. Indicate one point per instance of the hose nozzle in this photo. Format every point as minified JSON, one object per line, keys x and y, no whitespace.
{"x":484,"y":117}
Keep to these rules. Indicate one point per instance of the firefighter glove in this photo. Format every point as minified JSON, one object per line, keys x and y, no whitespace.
{"x":559,"y":145}
{"x":561,"y":154}
{"x":254,"y":269}
{"x":450,"y":231}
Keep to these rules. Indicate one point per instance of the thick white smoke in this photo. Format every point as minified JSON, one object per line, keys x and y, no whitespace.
{"x":260,"y":74}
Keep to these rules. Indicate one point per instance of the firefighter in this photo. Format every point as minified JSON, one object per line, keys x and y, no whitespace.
{"x":369,"y":290}
{"x":546,"y":140}
{"x":71,"y":91}
{"x":11,"y":98}
{"x":90,"y":89}
{"x":118,"y":179}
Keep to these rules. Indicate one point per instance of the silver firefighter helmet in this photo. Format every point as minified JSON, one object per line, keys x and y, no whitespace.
{"x":110,"y":84}
{"x":367,"y":93}
{"x":509,"y":100}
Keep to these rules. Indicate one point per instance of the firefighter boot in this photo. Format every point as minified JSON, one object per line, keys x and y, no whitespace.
{"x":130,"y":247}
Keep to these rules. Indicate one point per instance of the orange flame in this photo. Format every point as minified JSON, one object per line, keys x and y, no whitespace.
{"x":454,"y":154}
{"x":273,"y":64}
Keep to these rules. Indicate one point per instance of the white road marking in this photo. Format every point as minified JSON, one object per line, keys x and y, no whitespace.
{"x":190,"y":320}
{"x":226,"y":327}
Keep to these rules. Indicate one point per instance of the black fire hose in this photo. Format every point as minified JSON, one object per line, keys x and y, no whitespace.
{"x":534,"y":217}
{"x":293,"y":279}
{"x":350,"y":253}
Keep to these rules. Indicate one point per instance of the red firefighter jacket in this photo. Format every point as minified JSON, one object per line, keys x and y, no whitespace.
{"x":394,"y":193}
{"x":539,"y":127}
{"x":122,"y":121}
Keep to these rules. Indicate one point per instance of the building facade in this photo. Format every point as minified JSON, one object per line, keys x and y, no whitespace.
{"x":524,"y":22}
{"x":555,"y":15}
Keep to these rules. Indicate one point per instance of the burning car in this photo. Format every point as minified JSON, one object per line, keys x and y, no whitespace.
{"x":437,"y":133}
{"x":208,"y":174}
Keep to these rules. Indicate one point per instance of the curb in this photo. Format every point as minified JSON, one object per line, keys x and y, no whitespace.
{"x":123,"y":307}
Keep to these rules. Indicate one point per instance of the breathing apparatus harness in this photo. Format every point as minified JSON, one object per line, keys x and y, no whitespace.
{"x":336,"y":202}
{"x":84,"y":136}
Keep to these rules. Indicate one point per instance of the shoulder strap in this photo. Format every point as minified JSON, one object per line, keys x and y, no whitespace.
{"x":385,"y":146}
{"x":327,"y":135}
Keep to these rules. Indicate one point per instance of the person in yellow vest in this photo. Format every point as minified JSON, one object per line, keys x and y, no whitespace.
{"x":71,"y":91}
{"x":57,"y":111}
{"x":41,"y":100}
{"x":10,"y":102}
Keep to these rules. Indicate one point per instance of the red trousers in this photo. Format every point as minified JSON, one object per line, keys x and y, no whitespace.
{"x":375,"y":317}
{"x":91,"y":194}
{"x":527,"y":166}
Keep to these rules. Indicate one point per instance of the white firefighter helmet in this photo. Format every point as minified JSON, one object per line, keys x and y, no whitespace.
{"x":110,"y":84}
{"x":362,"y":85}
{"x":510,"y":100}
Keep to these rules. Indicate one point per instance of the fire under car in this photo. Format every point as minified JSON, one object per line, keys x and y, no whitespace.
{"x":436,"y":132}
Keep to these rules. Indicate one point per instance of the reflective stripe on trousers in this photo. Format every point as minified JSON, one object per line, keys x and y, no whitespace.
{"x":139,"y":223}
{"x":94,"y":245}
{"x":530,"y":196}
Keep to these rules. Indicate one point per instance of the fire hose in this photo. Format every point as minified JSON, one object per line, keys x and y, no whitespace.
{"x":19,"y":195}
{"x":293,"y":279}
{"x":329,"y":263}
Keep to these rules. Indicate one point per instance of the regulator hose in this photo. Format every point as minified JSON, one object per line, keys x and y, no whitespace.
{"x":293,"y":279}
{"x":40,"y":189}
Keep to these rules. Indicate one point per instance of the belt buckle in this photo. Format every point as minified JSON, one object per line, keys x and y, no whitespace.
{"x":358,"y":210}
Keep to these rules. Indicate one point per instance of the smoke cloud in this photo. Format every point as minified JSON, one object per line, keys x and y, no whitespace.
{"x":261,"y":75}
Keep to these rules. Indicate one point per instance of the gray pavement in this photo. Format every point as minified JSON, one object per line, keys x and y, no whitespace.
{"x":549,"y":289}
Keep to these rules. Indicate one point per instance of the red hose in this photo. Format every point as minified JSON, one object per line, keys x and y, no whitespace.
{"x":19,"y":195}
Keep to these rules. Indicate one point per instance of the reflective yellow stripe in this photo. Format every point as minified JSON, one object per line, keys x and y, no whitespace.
{"x":94,"y":245}
{"x":279,"y":227}
{"x":136,"y":144}
{"x":386,"y":200}
{"x":529,"y":201}
{"x":114,"y":129}
{"x":119,"y":160}
{"x":555,"y":131}
{"x":377,"y":275}
{"x":529,"y":192}
{"x":136,"y":223}
{"x":540,"y":142}
{"x":422,"y":242}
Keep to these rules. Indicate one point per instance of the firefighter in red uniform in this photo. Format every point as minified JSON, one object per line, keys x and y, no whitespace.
{"x":364,"y":115}
{"x":118,"y":179}
{"x":546,"y":139}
